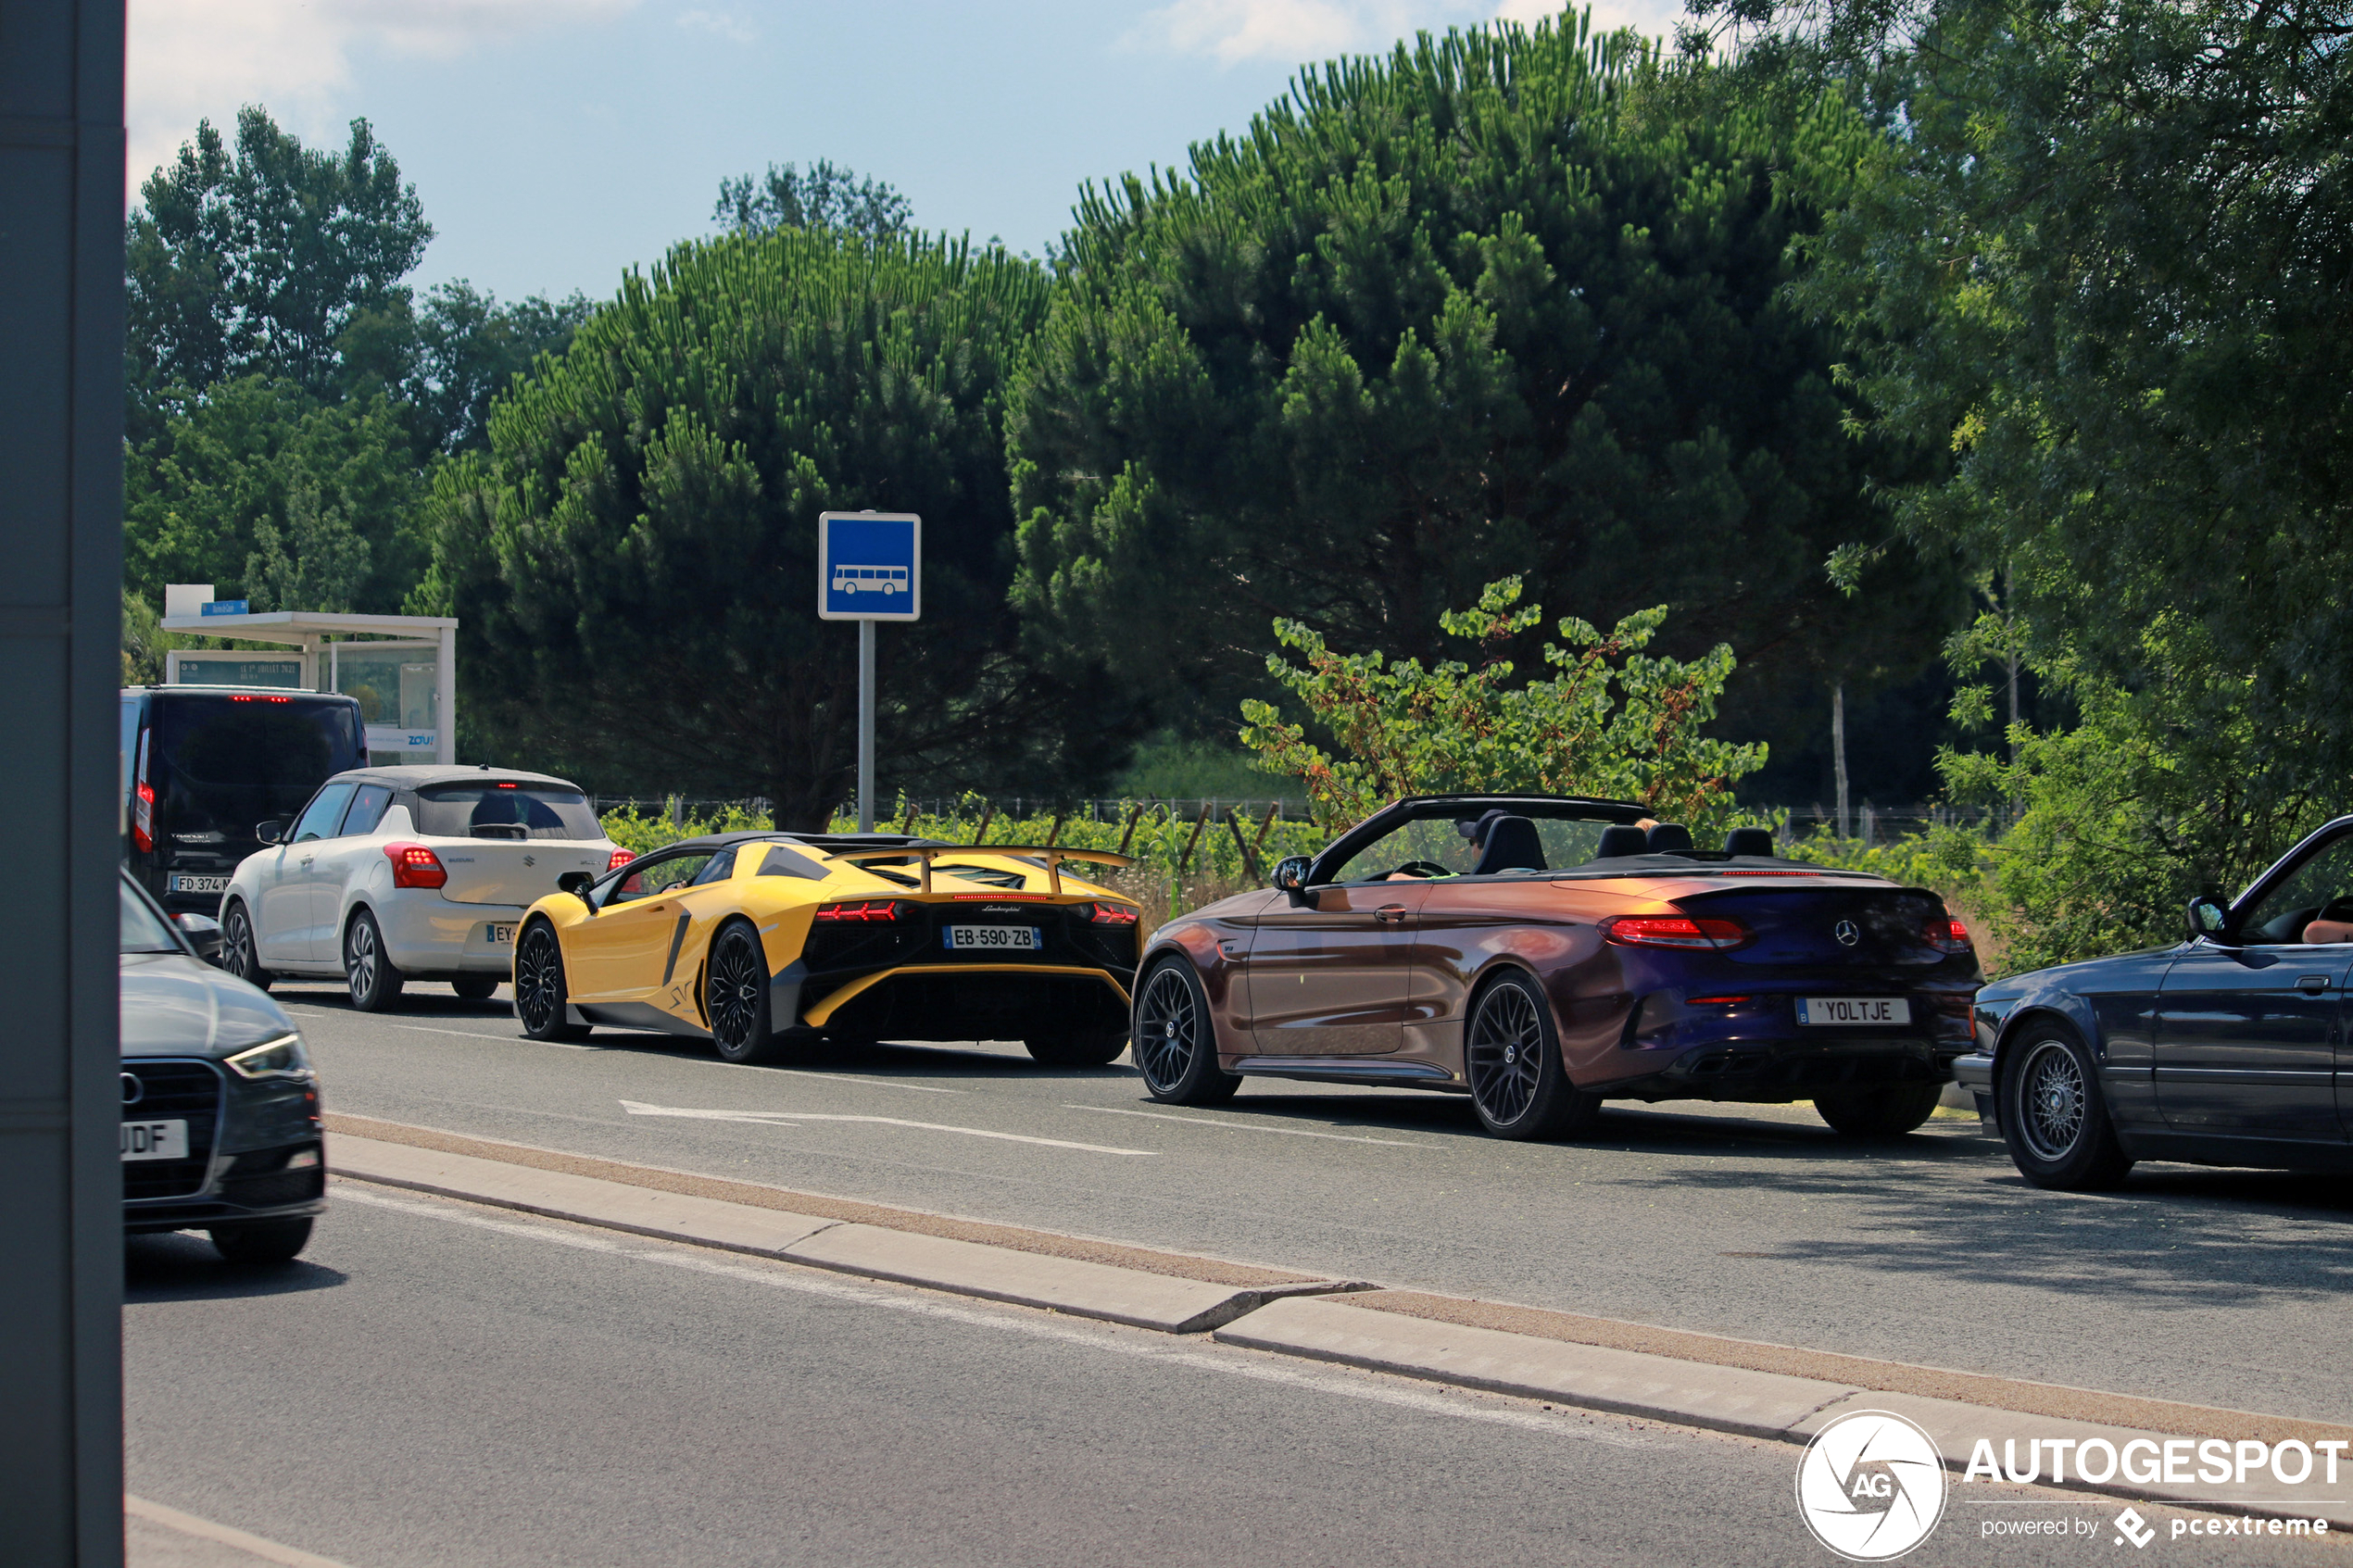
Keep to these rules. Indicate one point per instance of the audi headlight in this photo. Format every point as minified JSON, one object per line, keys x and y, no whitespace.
{"x":281,"y":1058}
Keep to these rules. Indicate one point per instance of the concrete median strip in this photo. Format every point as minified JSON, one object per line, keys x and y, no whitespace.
{"x":1762,"y":1404}
{"x":1439,"y":1339}
{"x":964,"y":1268}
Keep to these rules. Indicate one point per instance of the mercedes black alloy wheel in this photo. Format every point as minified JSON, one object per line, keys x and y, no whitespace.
{"x":1518,"y":1083}
{"x":1176,"y":1044}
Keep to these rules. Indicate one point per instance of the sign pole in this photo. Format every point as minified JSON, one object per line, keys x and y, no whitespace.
{"x":870,"y":568}
{"x":866,"y":726}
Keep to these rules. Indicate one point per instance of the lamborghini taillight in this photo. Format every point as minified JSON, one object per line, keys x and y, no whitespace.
{"x":864,"y":910}
{"x":1111,"y":914}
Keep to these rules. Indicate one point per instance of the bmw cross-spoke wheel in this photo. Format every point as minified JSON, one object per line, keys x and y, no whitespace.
{"x":735,"y":997}
{"x":1518,"y":1083}
{"x":540,"y":993}
{"x":2054,"y":1117}
{"x":375,"y":982}
{"x":239,"y":954}
{"x":1176,"y":1044}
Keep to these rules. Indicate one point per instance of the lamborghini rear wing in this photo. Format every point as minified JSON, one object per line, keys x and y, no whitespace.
{"x":1051,"y":856}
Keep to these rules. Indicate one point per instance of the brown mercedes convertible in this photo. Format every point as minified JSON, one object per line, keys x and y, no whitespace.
{"x":1542,"y":954}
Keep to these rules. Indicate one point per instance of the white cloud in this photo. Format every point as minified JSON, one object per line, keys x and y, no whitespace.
{"x":730,"y":25}
{"x":1289,"y":31}
{"x":1656,"y":18}
{"x":190,"y":59}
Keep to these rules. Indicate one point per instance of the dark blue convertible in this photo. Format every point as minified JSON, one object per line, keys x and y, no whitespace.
{"x":2228,"y":1048}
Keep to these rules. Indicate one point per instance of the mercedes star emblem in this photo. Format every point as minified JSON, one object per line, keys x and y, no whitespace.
{"x":1847,"y":932}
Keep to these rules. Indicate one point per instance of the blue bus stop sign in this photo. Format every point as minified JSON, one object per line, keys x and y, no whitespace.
{"x":870,"y":566}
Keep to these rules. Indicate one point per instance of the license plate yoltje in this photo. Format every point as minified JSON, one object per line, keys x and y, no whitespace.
{"x":1852,"y":1010}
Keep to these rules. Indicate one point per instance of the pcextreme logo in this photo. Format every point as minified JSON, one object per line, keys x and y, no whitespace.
{"x":1871,"y":1486}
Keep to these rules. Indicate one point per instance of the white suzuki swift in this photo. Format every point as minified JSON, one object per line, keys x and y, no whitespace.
{"x":393,"y":874}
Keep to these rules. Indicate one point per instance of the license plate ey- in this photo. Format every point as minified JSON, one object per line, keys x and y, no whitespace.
{"x":502,"y":935}
{"x":182,"y":882}
{"x":155,"y":1140}
{"x":1854,"y":1012}
{"x":993,"y":939}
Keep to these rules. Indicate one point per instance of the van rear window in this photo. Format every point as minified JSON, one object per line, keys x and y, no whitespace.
{"x":222,"y":763}
{"x":499,"y":809}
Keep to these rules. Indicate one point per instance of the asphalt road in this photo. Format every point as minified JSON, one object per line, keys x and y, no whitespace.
{"x":2220,"y":1287}
{"x":441,"y":1384}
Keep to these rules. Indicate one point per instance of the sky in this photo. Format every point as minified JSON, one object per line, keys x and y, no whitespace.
{"x":556,"y":144}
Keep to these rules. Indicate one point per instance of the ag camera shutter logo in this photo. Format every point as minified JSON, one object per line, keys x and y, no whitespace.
{"x":1871,"y":1486}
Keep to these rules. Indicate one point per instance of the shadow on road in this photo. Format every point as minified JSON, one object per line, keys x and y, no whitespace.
{"x":182,"y":1267}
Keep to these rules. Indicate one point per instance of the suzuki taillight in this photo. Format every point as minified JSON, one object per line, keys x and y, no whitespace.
{"x":143,"y":818}
{"x":1946,"y":934}
{"x":1111,"y":914}
{"x":1673,"y":930}
{"x":620,"y":859}
{"x":413,"y":865}
{"x":863,"y":909}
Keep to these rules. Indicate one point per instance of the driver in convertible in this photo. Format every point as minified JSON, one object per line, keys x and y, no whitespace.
{"x":2325,"y":930}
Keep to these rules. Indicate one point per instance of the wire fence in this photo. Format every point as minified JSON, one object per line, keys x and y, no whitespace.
{"x":1173,"y":830}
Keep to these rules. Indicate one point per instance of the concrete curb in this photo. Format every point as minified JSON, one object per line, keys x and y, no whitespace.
{"x":1303,"y":1320}
{"x":963,"y":1268}
{"x":1757,"y":1404}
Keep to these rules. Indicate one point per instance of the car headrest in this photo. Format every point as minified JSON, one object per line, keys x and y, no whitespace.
{"x":1620,"y":840}
{"x":1667,"y":838}
{"x":1749,"y":841}
{"x":1513,"y":844}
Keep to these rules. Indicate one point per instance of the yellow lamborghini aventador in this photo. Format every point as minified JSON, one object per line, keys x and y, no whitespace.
{"x":760,"y":941}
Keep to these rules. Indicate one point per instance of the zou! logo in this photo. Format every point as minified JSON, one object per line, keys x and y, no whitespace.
{"x":1871,"y":1486}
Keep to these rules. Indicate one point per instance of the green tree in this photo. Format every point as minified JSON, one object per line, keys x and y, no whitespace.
{"x":2158,"y":792}
{"x":1494,"y":303}
{"x":826,"y":196}
{"x":447,"y":358}
{"x":215,"y":496}
{"x":2105,"y":267}
{"x":257,"y":260}
{"x":635,"y":555}
{"x":1456,"y":728}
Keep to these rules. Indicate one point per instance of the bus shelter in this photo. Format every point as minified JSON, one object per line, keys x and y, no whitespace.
{"x":403,"y":669}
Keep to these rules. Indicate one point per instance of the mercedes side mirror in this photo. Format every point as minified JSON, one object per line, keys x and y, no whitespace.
{"x":269,"y":832}
{"x":2208,"y":917}
{"x":575,"y":882}
{"x":203,"y":932}
{"x":1291,"y":876}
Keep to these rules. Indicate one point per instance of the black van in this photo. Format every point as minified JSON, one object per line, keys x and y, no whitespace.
{"x":202,"y":766}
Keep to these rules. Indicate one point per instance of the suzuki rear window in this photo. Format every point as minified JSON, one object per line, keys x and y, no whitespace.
{"x":491,"y":809}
